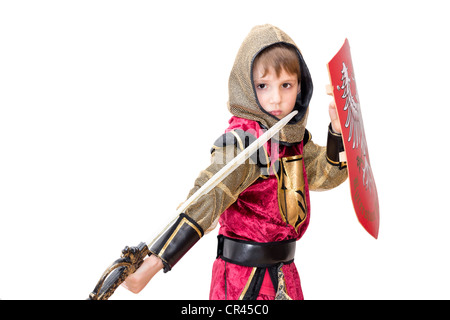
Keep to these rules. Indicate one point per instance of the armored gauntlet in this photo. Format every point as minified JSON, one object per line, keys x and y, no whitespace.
{"x":334,"y":147}
{"x":172,"y":245}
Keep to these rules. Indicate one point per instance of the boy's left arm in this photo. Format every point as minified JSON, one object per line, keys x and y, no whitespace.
{"x":323,"y":167}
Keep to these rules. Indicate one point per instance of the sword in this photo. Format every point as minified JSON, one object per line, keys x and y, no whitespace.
{"x":133,"y":257}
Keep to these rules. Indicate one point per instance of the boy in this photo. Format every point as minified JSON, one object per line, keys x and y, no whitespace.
{"x":262,"y":206}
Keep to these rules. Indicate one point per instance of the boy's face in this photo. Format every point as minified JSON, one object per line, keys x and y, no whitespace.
{"x":276,"y":94}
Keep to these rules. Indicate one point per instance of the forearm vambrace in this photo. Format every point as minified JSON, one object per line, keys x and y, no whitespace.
{"x":178,"y":239}
{"x":335,"y":146}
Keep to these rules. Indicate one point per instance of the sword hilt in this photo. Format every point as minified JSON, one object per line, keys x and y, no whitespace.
{"x":130,"y":260}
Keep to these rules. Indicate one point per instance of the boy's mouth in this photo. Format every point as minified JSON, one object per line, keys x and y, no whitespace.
{"x":275,"y":113}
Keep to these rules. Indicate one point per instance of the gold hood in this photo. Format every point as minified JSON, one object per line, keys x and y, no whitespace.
{"x":243,"y":102}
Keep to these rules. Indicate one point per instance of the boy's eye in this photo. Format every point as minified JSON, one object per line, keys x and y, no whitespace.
{"x":261,"y":86}
{"x":286,"y":85}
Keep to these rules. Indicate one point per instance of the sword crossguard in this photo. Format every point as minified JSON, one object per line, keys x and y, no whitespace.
{"x":135,"y":254}
{"x":130,"y":260}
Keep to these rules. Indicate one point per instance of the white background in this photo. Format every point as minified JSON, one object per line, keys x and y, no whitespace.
{"x":108,"y":110}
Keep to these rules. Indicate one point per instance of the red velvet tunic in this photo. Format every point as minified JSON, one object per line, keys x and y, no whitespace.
{"x":255,"y":216}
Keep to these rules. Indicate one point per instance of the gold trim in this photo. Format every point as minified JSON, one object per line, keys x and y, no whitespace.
{"x":334,"y":133}
{"x":250,"y":278}
{"x":182,"y":222}
{"x":296,"y":157}
{"x":340,"y":164}
{"x":161,"y":252}
{"x":159,"y":256}
{"x":275,"y":172}
{"x":221,"y":185}
{"x":333,"y":162}
{"x":193,"y":226}
{"x":289,"y":197}
{"x":241,"y":145}
{"x":267,"y":159}
{"x":309,"y":138}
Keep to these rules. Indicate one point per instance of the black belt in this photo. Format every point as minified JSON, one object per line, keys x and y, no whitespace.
{"x":255,"y":254}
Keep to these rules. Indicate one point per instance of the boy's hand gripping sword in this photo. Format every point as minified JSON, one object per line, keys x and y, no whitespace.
{"x":133,"y":257}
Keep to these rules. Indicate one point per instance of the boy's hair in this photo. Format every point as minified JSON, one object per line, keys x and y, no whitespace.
{"x":279,"y":56}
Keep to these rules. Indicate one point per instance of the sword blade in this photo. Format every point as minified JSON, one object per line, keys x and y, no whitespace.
{"x":230,"y":167}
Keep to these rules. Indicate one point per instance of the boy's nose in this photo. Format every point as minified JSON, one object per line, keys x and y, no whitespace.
{"x":275,"y":97}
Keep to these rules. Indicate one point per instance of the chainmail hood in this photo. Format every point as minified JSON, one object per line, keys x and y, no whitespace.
{"x":243,"y":102}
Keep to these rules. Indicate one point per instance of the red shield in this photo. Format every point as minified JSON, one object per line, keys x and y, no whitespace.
{"x":362,"y":183}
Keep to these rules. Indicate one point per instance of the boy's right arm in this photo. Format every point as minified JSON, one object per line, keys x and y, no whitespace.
{"x":199,"y":217}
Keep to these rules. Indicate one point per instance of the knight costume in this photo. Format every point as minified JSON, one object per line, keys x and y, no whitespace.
{"x":263,"y":206}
